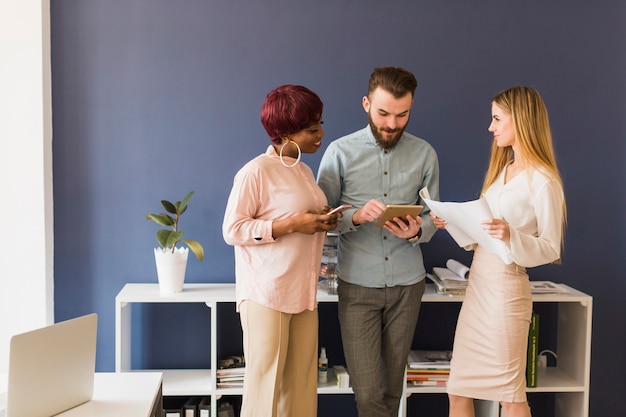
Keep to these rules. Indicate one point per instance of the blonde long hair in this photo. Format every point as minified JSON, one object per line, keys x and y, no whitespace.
{"x":532,"y":136}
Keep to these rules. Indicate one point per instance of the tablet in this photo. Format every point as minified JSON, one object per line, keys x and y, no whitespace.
{"x":398,"y":211}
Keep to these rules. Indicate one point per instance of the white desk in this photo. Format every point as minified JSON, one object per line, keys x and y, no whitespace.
{"x":123,"y":394}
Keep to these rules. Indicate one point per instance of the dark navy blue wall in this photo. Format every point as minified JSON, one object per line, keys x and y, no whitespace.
{"x":154,"y":98}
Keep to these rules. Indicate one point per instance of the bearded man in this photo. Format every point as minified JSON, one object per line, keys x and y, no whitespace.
{"x":380,"y":269}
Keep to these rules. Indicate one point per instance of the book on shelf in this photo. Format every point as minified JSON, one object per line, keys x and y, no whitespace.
{"x":427,"y":373}
{"x":429,"y":383}
{"x":427,"y":376}
{"x":532,"y":352}
{"x":443,"y":377}
{"x":429,"y":359}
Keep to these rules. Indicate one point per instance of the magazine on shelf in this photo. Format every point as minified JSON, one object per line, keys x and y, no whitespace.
{"x":429,"y":359}
{"x":454,"y":271}
{"x":451,"y":279}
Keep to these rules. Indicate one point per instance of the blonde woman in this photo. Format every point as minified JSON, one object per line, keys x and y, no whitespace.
{"x":525,"y":194}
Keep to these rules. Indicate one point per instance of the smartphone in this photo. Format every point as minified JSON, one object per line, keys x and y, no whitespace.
{"x":340,"y":209}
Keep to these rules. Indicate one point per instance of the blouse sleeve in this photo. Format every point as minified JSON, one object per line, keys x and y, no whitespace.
{"x":240,"y":226}
{"x":544,"y":247}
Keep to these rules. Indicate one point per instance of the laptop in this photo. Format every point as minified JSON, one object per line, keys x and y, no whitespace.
{"x":52,"y":369}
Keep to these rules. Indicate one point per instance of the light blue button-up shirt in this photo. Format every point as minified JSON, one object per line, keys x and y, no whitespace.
{"x":354,"y":170}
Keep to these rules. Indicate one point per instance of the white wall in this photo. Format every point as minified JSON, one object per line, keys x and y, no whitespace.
{"x":26,"y":231}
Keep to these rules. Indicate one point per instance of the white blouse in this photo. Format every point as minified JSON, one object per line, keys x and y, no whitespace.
{"x":531,"y":204}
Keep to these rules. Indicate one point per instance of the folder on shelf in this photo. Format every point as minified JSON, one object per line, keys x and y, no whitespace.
{"x":190,"y":408}
{"x":204,"y":408}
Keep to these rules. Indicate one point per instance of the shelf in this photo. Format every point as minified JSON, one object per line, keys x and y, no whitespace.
{"x":552,"y":379}
{"x":331,"y":386}
{"x":192,"y":293}
{"x":568,"y":382}
{"x":328,"y":388}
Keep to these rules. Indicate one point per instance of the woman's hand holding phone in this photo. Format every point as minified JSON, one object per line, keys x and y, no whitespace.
{"x":340,"y":209}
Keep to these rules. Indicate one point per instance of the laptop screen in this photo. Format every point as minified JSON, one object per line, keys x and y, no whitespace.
{"x":52,"y":369}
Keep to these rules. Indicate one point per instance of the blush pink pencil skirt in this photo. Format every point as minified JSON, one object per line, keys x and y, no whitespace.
{"x":489,"y":354}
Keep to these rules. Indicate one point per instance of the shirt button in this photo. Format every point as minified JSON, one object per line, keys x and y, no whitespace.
{"x":386,"y":258}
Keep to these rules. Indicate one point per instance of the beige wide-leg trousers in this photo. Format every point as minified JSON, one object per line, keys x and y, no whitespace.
{"x":280,"y":350}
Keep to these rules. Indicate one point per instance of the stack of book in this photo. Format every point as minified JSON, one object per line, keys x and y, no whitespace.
{"x":231,"y":377}
{"x":450,"y":280}
{"x":428,"y":367}
{"x":329,"y":263}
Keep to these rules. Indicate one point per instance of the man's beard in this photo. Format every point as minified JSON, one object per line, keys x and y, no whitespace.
{"x":382,"y":142}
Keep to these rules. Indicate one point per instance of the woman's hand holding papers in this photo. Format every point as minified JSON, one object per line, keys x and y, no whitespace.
{"x":497,"y":229}
{"x":438,"y":221}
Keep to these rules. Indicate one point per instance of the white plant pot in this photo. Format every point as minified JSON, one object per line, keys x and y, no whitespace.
{"x":171,"y":268}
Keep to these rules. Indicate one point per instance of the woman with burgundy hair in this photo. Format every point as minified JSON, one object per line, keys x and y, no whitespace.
{"x":275,"y":219}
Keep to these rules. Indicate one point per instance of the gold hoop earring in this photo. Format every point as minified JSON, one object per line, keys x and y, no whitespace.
{"x":281,"y":154}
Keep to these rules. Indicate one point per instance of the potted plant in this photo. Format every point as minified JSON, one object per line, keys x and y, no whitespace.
{"x":171,"y":261}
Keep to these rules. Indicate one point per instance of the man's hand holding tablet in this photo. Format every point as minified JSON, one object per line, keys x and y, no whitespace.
{"x":400,"y":211}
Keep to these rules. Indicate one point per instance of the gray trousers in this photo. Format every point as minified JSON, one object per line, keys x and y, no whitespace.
{"x":377,"y":327}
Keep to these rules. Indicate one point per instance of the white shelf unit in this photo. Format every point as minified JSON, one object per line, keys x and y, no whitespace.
{"x":569,"y":380}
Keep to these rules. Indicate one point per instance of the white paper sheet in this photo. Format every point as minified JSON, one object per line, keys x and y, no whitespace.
{"x":463,"y":223}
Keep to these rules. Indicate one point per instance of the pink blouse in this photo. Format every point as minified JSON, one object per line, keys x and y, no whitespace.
{"x":281,"y":274}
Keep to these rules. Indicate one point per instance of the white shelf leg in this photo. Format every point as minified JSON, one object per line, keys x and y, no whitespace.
{"x":213,"y":306}
{"x":122,"y":336}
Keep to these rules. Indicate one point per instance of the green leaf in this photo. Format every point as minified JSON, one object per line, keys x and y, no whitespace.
{"x":162,"y":219}
{"x":163,"y":236}
{"x":183,"y":204}
{"x":169,"y":207}
{"x":173,"y":238}
{"x":196,"y":248}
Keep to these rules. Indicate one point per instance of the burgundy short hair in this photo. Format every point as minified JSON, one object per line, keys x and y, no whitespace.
{"x":289,"y":109}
